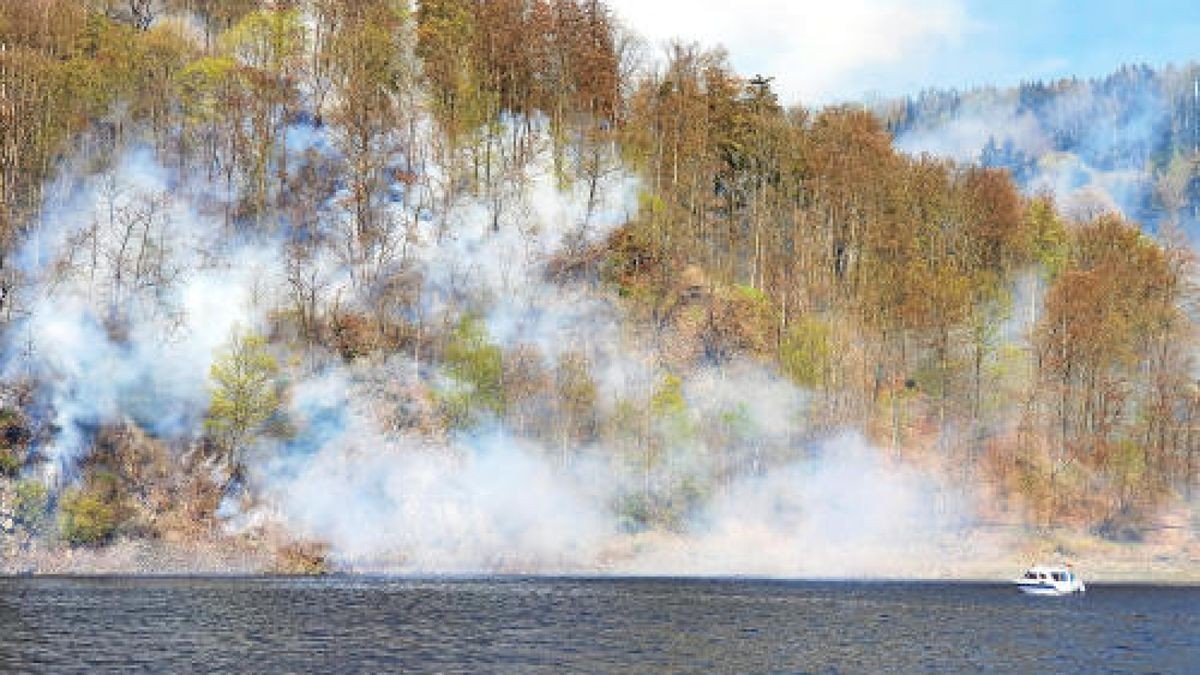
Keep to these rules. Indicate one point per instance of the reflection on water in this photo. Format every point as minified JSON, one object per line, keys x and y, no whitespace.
{"x":592,"y":625}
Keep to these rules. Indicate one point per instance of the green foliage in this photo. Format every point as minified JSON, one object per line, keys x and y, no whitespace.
{"x":805,"y":352}
{"x":244,"y":390}
{"x":651,"y":205}
{"x":32,"y":505}
{"x":668,"y":400}
{"x":1050,"y":243}
{"x":669,"y":407}
{"x":445,"y":33}
{"x":266,"y":39}
{"x":87,"y":520}
{"x":10,"y":463}
{"x":369,"y":55}
{"x":477,"y":368}
{"x":204,"y":86}
{"x":753,"y":296}
{"x":90,"y":515}
{"x":373,"y":46}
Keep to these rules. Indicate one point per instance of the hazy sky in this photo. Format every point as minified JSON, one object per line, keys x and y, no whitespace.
{"x":823,"y":50}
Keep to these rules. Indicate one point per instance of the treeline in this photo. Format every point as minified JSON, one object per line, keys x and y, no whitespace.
{"x":930,"y":303}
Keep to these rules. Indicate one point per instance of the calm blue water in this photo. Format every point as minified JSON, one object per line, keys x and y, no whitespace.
{"x":354,"y":624}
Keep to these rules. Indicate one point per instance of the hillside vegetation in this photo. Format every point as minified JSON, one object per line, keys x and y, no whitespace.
{"x":494,"y":284}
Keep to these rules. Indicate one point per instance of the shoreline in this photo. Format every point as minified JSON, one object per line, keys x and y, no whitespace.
{"x":981,"y":557}
{"x":1190,"y":582}
{"x":993,"y":574}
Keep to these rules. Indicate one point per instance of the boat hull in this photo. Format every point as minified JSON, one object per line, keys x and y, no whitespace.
{"x":1049,"y":589}
{"x":1046,"y":590}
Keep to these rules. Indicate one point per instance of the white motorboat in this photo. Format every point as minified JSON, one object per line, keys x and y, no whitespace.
{"x":1050,"y":580}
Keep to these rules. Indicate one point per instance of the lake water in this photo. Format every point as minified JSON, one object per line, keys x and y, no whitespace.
{"x":523,"y":625}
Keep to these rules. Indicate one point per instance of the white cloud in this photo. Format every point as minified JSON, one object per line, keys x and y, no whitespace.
{"x":818,"y":51}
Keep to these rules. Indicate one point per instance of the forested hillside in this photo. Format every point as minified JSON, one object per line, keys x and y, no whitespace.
{"x":497,"y":286}
{"x":1128,"y":141}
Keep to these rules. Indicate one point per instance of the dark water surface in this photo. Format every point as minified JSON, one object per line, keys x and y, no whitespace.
{"x":337,"y":625}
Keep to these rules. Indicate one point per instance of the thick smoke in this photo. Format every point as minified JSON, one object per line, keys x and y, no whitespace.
{"x":489,"y":501}
{"x":481,"y":502}
{"x":846,"y":510}
{"x":130,"y":292}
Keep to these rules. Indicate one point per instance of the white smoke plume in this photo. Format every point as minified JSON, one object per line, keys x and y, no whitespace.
{"x":844,"y":511}
{"x":129,"y":294}
{"x":487,"y":502}
{"x":483,"y":502}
